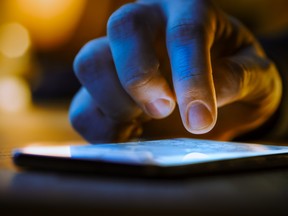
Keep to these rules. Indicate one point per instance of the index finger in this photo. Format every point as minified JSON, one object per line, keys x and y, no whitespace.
{"x":188,"y":42}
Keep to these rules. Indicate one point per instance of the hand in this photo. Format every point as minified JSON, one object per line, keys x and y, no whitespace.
{"x":161,"y":53}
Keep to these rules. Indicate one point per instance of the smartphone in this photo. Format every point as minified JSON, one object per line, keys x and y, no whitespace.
{"x":155,"y":158}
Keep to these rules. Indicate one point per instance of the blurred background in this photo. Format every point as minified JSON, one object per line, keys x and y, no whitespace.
{"x":40,"y":38}
{"x":38,"y":41}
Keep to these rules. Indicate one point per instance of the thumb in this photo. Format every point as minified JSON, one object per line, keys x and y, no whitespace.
{"x":247,"y":76}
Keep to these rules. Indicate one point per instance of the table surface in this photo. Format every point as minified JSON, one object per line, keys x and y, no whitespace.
{"x":262,"y":192}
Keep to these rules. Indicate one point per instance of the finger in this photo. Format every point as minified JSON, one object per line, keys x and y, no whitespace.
{"x":131,"y":32}
{"x":94,"y":126}
{"x":188,"y":43}
{"x":95,"y":69}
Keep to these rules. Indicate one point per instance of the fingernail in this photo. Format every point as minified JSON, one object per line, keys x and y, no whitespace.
{"x":198,"y":116}
{"x":160,"y":108}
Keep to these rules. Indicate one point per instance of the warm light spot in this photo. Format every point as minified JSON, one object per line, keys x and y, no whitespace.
{"x":56,"y":151}
{"x":49,"y":22}
{"x":14,"y":40}
{"x":45,"y":8}
{"x":14,"y":94}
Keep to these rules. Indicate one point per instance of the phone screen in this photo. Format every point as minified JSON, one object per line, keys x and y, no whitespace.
{"x":163,"y":153}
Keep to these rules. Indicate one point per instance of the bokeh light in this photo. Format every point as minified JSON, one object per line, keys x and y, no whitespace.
{"x":15,"y":95}
{"x":45,"y":9}
{"x":49,"y":22}
{"x":14,"y":40}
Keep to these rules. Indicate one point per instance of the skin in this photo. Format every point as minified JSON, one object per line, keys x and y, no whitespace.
{"x":171,"y":69}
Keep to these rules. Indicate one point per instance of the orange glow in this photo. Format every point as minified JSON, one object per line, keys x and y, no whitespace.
{"x":14,"y":40}
{"x":50,"y":22}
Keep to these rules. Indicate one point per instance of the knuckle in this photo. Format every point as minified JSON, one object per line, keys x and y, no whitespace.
{"x":185,"y":71}
{"x":89,"y":62}
{"x":137,"y":77}
{"x":184,"y":32}
{"x":124,"y":21}
{"x":137,"y":81}
{"x":188,"y":74}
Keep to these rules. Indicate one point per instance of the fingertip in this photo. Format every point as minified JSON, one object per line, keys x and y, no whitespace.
{"x":152,"y":94}
{"x":197,"y":103}
{"x":160,"y":108}
{"x":199,"y":118}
